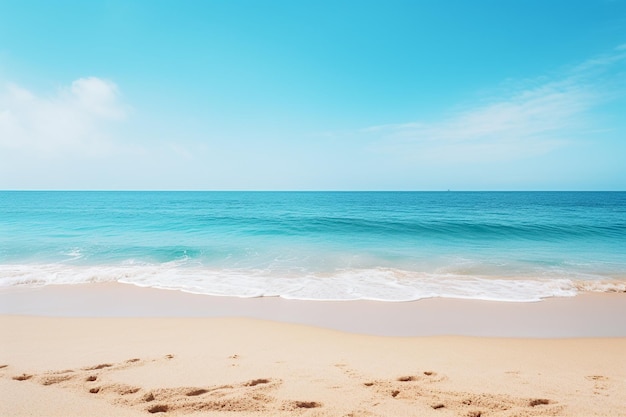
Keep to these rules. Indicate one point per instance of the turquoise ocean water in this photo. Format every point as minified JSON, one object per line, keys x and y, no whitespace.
{"x":389,"y":246}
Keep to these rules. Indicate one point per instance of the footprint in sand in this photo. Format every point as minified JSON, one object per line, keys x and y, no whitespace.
{"x":96,"y":367}
{"x":419,"y":389}
{"x":248,"y":396}
{"x":538,"y":401}
{"x":295,"y":405}
{"x":54,"y":379}
{"x":600,"y":383}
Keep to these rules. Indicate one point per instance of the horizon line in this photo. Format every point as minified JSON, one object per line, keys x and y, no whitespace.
{"x":308,"y":190}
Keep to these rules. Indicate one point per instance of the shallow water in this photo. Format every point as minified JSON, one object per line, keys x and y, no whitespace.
{"x":390,"y":246}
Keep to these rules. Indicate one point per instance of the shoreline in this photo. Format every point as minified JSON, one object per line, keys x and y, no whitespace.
{"x":584,"y":315}
{"x":121,"y":350}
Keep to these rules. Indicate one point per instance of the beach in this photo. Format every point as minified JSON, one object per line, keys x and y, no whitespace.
{"x":113,"y":349}
{"x":318,"y":304}
{"x":312,"y":209}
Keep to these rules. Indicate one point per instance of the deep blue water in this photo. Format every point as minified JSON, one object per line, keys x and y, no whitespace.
{"x":516,"y":246}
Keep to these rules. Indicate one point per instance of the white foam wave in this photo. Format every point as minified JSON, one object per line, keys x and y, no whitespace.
{"x":601,"y":286}
{"x":380,"y":284}
{"x":73,"y":254}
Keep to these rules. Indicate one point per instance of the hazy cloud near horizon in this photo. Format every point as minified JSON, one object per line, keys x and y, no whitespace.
{"x":534,"y":118}
{"x":72,"y":120}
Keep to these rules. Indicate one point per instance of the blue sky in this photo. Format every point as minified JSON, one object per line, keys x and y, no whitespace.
{"x":330,"y":95}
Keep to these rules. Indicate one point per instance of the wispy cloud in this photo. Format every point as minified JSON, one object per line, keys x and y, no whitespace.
{"x":75,"y":118}
{"x":532,"y":118}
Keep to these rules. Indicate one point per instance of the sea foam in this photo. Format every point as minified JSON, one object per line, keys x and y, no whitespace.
{"x":379,"y":284}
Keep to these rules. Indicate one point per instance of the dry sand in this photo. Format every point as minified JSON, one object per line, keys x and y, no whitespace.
{"x":113,"y":366}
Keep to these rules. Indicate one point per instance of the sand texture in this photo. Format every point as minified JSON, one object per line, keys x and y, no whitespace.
{"x":245,"y":367}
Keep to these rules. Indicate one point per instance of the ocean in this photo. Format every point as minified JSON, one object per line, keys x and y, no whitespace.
{"x":386,"y":246}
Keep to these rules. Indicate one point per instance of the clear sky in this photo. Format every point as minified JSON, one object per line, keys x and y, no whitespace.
{"x":313,"y":95}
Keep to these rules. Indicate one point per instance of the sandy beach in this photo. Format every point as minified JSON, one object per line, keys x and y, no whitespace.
{"x":312,"y":208}
{"x":118,"y":362}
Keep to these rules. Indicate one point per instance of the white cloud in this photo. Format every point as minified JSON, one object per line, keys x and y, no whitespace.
{"x":98,"y":97}
{"x":532,"y":119}
{"x":74,"y":119}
